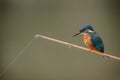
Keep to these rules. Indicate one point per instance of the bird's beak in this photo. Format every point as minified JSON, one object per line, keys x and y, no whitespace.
{"x":76,"y":34}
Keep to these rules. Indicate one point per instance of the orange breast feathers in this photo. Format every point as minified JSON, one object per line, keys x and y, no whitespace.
{"x":87,"y":41}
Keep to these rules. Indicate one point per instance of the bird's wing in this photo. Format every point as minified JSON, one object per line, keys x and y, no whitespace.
{"x":97,"y":42}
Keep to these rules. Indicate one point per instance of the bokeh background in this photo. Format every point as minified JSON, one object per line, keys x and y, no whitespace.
{"x":20,"y":20}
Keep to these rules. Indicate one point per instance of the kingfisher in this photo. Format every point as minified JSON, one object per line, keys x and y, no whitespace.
{"x":92,"y":40}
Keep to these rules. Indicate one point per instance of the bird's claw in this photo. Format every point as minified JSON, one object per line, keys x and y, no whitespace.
{"x":91,"y":50}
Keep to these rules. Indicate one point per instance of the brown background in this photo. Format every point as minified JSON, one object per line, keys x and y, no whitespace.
{"x":46,"y":60}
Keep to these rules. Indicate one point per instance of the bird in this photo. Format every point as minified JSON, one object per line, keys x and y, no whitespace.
{"x":91,"y":39}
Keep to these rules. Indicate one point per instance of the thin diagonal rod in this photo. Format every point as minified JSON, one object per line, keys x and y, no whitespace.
{"x":17,"y":56}
{"x":76,"y":46}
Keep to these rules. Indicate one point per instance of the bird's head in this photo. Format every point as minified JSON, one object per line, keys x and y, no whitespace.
{"x":84,"y":28}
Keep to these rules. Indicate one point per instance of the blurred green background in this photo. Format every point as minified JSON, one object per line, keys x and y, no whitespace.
{"x":20,"y":20}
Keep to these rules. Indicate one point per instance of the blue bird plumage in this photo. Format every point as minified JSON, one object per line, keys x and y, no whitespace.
{"x":91,"y":38}
{"x":95,"y":40}
{"x":87,"y":26}
{"x":83,"y":28}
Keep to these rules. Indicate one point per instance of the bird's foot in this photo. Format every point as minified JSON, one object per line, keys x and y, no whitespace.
{"x":91,"y":50}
